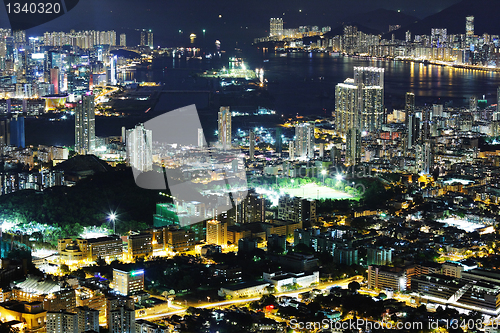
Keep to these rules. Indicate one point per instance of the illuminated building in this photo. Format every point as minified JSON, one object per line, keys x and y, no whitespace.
{"x":353,"y":147}
{"x":31,"y":314}
{"x":54,"y":79}
{"x":201,"y":138}
{"x":88,"y":319}
{"x":121,"y":320}
{"x":304,"y":141}
{"x":17,"y":134}
{"x":439,"y":37}
{"x":385,"y":277}
{"x":276,"y":27}
{"x":62,"y":322}
{"x":150,"y":39}
{"x":179,"y":240}
{"x":85,"y":125}
{"x":216,"y":232}
{"x":143,"y":38}
{"x":140,"y":245}
{"x":77,"y":250}
{"x":113,"y":70}
{"x":469,"y":30}
{"x":412,"y":122}
{"x":279,"y":140}
{"x":370,"y":83}
{"x":350,"y":38}
{"x":123,"y":40}
{"x":346,"y":106}
{"x":296,"y":209}
{"x":140,"y":148}
{"x":128,"y":282}
{"x":64,"y":299}
{"x":379,"y":256}
{"x":224,"y":123}
{"x":252,"y":145}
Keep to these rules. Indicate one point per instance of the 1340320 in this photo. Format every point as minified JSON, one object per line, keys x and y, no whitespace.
{"x":33,"y":8}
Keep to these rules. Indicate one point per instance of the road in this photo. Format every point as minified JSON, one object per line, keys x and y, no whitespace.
{"x":322,"y":286}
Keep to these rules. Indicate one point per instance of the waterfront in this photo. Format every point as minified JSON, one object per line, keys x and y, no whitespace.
{"x":299,"y":84}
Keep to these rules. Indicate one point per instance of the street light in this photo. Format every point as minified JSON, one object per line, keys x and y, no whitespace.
{"x":112,"y":217}
{"x":339,"y":177}
{"x":323,"y":172}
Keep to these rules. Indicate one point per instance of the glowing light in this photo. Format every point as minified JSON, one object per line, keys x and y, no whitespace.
{"x":339,"y":177}
{"x":139,"y":272}
{"x":323,"y":172}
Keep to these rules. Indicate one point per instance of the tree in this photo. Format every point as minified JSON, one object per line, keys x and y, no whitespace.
{"x":64,"y":269}
{"x":353,"y":286}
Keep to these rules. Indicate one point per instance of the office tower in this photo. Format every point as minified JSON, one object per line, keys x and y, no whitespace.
{"x":140,"y":148}
{"x":62,"y":322}
{"x":128,"y":282}
{"x":201,"y":138}
{"x":353,"y":146}
{"x":276,"y":27}
{"x":150,"y":39}
{"x":439,"y":37}
{"x":113,"y":71}
{"x":279,"y":140}
{"x":88,"y":319}
{"x":85,"y":125}
{"x":346,"y":107}
{"x":252,"y":144}
{"x":412,"y":128}
{"x":409,"y":103}
{"x":370,"y":83}
{"x":408,"y":36}
{"x":291,"y":150}
{"x":143,"y":37}
{"x":304,"y":140}
{"x":123,"y":40}
{"x":54,"y":79}
{"x":469,"y":30}
{"x":121,"y":320}
{"x":216,"y":232}
{"x":17,"y":134}
{"x":224,"y":127}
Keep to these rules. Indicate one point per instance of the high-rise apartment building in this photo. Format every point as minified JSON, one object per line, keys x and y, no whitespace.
{"x":62,"y":322}
{"x":216,"y":232}
{"x":85,"y":125}
{"x":123,"y":40}
{"x":276,"y":27}
{"x":346,"y":106}
{"x":150,"y":39}
{"x":370,"y":83}
{"x":88,"y":319}
{"x":140,"y":148}
{"x":251,"y":145}
{"x":304,"y":141}
{"x":224,"y":133}
{"x":469,"y":30}
{"x":353,"y":147}
{"x":121,"y":320}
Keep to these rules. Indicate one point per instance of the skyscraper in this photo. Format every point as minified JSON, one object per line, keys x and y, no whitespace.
{"x":140,"y":148}
{"x":469,"y":30}
{"x":113,"y":73}
{"x":276,"y":27}
{"x":279,"y":140}
{"x":409,"y":103}
{"x":201,"y":138}
{"x":123,"y":40}
{"x":216,"y":232}
{"x":224,"y":127}
{"x":85,"y":125}
{"x":304,"y":140}
{"x":346,"y":106}
{"x":353,"y":147}
{"x":150,"y":39}
{"x":17,"y":133}
{"x":143,"y":37}
{"x":252,"y":144}
{"x":370,"y":83}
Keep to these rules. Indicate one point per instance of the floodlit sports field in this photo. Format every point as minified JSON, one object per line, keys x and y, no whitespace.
{"x":314,"y":191}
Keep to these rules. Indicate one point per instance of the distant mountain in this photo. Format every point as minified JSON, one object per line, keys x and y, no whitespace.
{"x":380,"y":19}
{"x":485,"y":14}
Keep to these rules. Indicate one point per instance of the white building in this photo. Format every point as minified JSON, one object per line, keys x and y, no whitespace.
{"x":140,"y":148}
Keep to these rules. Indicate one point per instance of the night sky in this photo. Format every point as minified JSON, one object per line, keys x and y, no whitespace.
{"x":241,"y":20}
